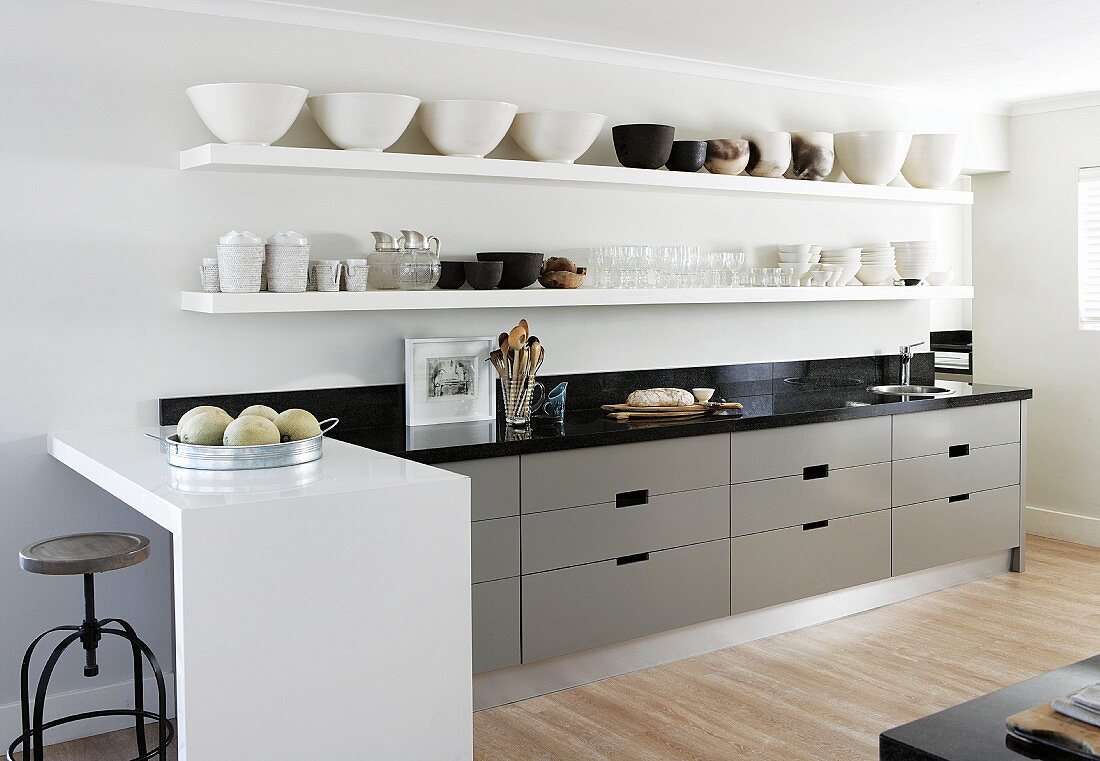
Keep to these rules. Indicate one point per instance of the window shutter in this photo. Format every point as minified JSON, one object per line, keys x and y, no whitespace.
{"x":1088,"y":248}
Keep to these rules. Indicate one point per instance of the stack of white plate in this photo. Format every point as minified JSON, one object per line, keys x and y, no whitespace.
{"x":877,"y":265}
{"x":847,"y":259}
{"x":915,"y":258}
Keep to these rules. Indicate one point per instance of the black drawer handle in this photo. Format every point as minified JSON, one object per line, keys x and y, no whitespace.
{"x":959,"y":498}
{"x":815,"y":471}
{"x":959,"y":450}
{"x":632,"y":498}
{"x":641,"y":557}
{"x":815,"y":524}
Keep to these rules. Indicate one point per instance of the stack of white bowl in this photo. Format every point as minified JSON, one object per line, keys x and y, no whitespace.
{"x":799,"y":258}
{"x":843,"y":260}
{"x":877,"y":265}
{"x":915,"y":258}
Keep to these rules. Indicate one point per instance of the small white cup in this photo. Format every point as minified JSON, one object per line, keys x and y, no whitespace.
{"x":208,"y":274}
{"x":702,"y":395}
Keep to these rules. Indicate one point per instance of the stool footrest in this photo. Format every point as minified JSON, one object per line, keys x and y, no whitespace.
{"x":169,"y":730}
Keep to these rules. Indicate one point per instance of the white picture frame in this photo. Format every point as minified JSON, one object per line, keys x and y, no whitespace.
{"x":449,"y":380}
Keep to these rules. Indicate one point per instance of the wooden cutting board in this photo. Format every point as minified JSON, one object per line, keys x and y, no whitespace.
{"x":1043,"y":725}
{"x":678,"y":415}
{"x":684,"y":408}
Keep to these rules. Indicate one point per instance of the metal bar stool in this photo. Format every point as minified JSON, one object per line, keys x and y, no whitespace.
{"x":89,"y":554}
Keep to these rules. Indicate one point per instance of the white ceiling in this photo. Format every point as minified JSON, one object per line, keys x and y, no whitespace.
{"x":1005,"y":50}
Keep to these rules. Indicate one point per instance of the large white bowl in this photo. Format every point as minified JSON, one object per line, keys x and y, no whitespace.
{"x":466,"y":127}
{"x":934,"y":161}
{"x":363,"y":121}
{"x":246,"y":113}
{"x":560,"y":137}
{"x":873,"y":157}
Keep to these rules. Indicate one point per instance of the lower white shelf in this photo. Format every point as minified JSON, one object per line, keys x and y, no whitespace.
{"x":343,"y":301}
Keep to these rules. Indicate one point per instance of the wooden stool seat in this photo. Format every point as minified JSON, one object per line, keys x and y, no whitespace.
{"x":84,"y":553}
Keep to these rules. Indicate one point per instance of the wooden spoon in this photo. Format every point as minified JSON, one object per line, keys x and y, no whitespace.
{"x":517,"y":337}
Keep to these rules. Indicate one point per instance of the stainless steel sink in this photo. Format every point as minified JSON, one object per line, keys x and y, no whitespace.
{"x":907,"y":390}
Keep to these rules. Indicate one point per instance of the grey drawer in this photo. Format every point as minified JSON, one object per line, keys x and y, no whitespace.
{"x":922,"y":479}
{"x":792,"y":563}
{"x":923,"y":433}
{"x":935,"y":533}
{"x":780,"y":502}
{"x":494,"y":550}
{"x":776,"y":452}
{"x":575,"y":535}
{"x":596,"y":474}
{"x":494,"y":487}
{"x":590,"y":605}
{"x":496,"y":624}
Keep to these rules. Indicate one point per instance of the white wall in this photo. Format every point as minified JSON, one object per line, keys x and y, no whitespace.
{"x":102,"y":231}
{"x":1025,"y":313}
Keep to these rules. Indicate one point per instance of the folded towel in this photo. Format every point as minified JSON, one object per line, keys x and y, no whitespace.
{"x":1088,"y":697}
{"x":1067,"y":707}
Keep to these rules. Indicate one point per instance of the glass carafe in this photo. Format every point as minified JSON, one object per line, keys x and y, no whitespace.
{"x":418,"y":266}
{"x":382,"y":263}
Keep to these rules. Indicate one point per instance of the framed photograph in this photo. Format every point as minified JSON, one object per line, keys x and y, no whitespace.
{"x":448,"y":380}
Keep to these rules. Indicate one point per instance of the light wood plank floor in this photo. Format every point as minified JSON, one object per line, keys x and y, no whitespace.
{"x":821,"y":693}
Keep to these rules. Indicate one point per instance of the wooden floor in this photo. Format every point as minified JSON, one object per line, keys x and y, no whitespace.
{"x":822,"y":693}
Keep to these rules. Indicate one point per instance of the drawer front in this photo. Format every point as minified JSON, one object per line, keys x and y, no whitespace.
{"x":597,"y":474}
{"x":494,"y":550}
{"x":494,"y":486}
{"x":590,"y":605}
{"x":777,"y":452}
{"x":781,"y":502}
{"x":935,"y":533}
{"x":792,"y":563}
{"x":560,"y":538}
{"x":922,"y":479}
{"x":496,"y":624}
{"x":923,"y":433}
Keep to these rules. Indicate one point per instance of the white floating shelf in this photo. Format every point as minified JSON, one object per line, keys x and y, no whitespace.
{"x":250,"y":158}
{"x":249,"y":303}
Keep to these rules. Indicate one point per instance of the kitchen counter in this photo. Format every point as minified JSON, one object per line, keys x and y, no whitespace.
{"x":347,"y":579}
{"x":591,"y":427}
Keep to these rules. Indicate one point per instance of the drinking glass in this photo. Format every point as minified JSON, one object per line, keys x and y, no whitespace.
{"x":759,"y":277}
{"x":784,"y":277}
{"x":730,"y":263}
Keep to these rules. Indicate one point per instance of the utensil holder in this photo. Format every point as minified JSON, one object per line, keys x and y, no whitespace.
{"x":519,"y":399}
{"x":240,"y":268}
{"x":208,"y":273}
{"x":287,"y":268}
{"x":327,"y":277}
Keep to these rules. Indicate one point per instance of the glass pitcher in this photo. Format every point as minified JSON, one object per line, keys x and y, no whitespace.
{"x":418,"y":267}
{"x":382,"y":263}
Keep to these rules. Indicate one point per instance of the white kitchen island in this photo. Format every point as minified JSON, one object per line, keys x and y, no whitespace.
{"x":321,"y":610}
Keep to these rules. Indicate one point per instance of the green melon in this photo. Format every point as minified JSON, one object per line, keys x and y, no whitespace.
{"x":250,"y":431}
{"x":205,"y":428}
{"x":295,"y":425}
{"x":199,"y":410}
{"x":262,"y":410}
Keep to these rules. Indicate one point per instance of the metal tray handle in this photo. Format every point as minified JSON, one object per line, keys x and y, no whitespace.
{"x":332,"y":420}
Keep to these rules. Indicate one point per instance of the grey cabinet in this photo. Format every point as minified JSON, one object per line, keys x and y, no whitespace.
{"x":496,"y":624}
{"x":776,"y":452}
{"x":494,"y":549}
{"x":596,"y":604}
{"x":921,"y":479}
{"x":788,"y":564}
{"x":595,"y":475}
{"x":934,"y":533}
{"x":575,"y":535}
{"x":494,"y":486}
{"x":935,"y":432}
{"x":780,"y":502}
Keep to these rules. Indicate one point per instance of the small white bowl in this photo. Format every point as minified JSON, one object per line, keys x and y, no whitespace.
{"x":933,"y":161}
{"x":875,"y":274}
{"x":702,"y":395}
{"x":363,"y":121}
{"x":871,"y":157}
{"x":466,"y":127}
{"x":794,"y":258}
{"x":942,"y":277}
{"x":796,"y":248}
{"x":242,"y":113}
{"x":560,"y":137}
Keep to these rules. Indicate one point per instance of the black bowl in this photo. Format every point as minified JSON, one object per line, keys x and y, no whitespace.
{"x":453,"y":275}
{"x":643,"y":146}
{"x":912,"y":281}
{"x":520,"y":268}
{"x":687,"y":155}
{"x":483,"y":276}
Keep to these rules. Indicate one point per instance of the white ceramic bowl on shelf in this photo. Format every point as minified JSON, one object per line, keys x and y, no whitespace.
{"x":245,"y":113}
{"x":875,"y":274}
{"x":941,"y":277}
{"x":465,"y":127}
{"x":933,"y":161}
{"x":871,"y":157}
{"x":363,"y":121}
{"x":560,"y":137}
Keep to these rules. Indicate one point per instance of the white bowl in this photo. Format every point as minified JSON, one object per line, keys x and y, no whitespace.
{"x":465,"y":127}
{"x":557,"y":136}
{"x":871,"y":158}
{"x":798,"y":271}
{"x":934,"y":161}
{"x":769,"y":153}
{"x":875,"y":274}
{"x":795,"y":248}
{"x":794,"y":258}
{"x":942,"y":277}
{"x":848,"y":273}
{"x":363,"y":121}
{"x":245,"y":113}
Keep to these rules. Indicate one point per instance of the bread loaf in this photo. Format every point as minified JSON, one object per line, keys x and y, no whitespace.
{"x":660,"y":397}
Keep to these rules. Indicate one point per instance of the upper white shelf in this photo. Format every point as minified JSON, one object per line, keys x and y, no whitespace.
{"x":250,"y":158}
{"x":343,"y":301}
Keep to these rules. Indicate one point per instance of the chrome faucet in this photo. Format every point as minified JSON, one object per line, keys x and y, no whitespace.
{"x":906,"y":355}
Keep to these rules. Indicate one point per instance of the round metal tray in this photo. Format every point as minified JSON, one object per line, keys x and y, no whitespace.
{"x":198,"y":457}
